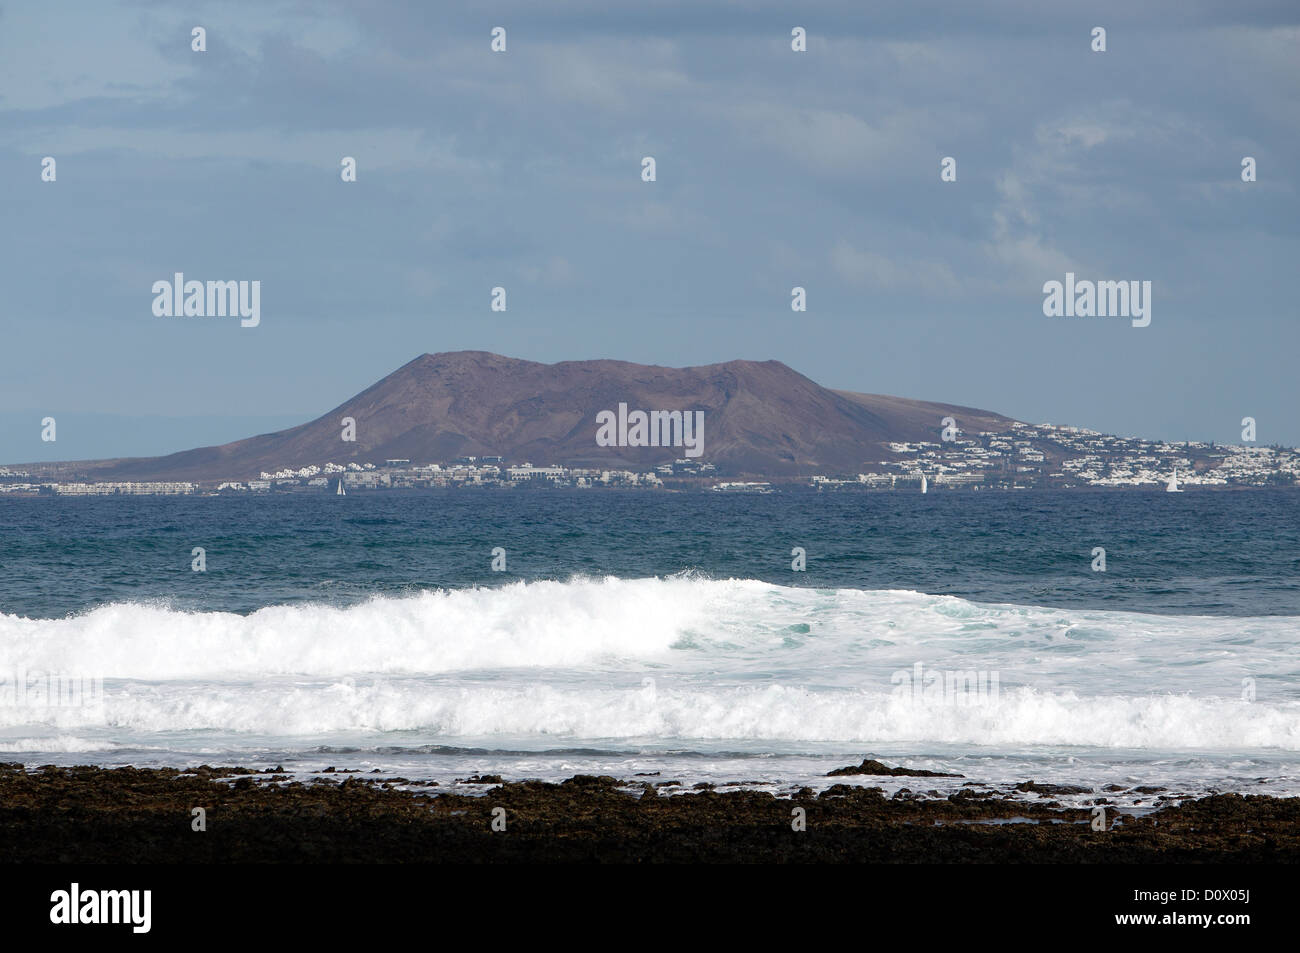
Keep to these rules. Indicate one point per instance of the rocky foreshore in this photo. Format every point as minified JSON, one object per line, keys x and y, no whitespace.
{"x":93,"y":815}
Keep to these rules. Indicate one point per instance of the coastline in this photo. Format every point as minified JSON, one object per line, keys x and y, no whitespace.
{"x":131,"y":815}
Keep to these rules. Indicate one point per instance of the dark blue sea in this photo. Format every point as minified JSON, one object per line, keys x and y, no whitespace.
{"x":640,"y":631}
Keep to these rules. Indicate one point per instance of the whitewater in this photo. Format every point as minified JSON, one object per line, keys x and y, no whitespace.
{"x":706,"y":677}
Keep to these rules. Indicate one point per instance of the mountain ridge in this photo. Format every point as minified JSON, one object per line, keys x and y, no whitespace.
{"x":760,"y":417}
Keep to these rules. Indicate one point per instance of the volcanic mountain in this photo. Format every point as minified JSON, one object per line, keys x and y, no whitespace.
{"x":760,"y":418}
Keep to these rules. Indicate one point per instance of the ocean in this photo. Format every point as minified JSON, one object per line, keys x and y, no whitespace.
{"x":664,"y":637}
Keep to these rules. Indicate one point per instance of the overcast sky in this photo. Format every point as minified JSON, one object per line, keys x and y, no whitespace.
{"x":523,"y":169}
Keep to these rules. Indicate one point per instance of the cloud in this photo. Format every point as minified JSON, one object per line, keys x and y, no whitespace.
{"x":873,"y":270}
{"x":555,"y":271}
{"x":611,"y":73}
{"x":826,"y":141}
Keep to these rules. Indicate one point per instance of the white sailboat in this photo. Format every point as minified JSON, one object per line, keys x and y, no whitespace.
{"x":925,"y":484}
{"x":341,"y":491}
{"x":1173,"y":486}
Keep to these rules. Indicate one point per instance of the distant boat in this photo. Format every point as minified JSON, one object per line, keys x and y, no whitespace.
{"x":1173,"y":486}
{"x":341,"y":491}
{"x":925,"y":484}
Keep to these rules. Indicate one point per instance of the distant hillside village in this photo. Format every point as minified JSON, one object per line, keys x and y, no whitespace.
{"x":390,"y":475}
{"x":1044,"y":455}
{"x":1026,"y":456}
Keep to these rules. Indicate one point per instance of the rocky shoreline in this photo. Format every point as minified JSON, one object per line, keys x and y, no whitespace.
{"x":131,"y":815}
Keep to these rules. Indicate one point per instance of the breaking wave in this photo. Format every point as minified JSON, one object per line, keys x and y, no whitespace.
{"x":656,"y":659}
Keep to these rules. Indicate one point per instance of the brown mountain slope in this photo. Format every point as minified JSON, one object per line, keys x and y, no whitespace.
{"x":922,"y":416}
{"x":759,"y":418}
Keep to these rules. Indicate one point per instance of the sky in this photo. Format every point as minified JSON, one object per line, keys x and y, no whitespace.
{"x":522,"y":169}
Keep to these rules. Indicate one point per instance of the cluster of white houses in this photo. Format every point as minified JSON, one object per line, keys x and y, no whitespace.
{"x":156,"y":488}
{"x":465,"y":471}
{"x":395,"y":474}
{"x":1027,"y":455}
{"x":1048,"y":455}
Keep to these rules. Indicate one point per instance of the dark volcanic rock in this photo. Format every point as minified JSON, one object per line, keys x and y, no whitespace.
{"x":1033,"y":787}
{"x":132,"y":815}
{"x":876,"y":768}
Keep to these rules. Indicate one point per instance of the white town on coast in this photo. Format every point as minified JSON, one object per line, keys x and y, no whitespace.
{"x":1025,"y":456}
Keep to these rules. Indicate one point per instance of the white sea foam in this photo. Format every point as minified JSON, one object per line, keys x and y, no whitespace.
{"x":542,"y":624}
{"x":59,"y":743}
{"x":773,"y":713}
{"x":652,"y":660}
